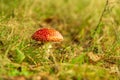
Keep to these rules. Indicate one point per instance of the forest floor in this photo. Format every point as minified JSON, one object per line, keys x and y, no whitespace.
{"x":90,"y":49}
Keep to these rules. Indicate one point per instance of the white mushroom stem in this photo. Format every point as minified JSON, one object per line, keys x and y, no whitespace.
{"x":48,"y":51}
{"x":47,"y":47}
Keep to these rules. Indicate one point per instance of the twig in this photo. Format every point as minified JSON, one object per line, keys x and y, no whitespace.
{"x":100,"y":19}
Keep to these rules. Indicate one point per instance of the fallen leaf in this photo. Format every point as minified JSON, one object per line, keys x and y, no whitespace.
{"x":93,"y":57}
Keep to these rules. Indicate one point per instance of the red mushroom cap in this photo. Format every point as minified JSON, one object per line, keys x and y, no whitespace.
{"x":47,"y":35}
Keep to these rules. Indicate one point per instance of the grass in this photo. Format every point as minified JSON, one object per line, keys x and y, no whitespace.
{"x":81,"y":56}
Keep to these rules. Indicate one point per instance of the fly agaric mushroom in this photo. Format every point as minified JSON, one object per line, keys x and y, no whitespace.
{"x":47,"y":35}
